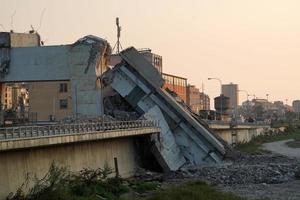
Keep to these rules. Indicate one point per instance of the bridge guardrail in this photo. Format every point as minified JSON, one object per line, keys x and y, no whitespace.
{"x":23,"y":132}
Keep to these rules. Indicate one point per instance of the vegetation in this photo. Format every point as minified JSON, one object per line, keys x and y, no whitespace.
{"x":191,"y":191}
{"x":61,"y":184}
{"x":255,"y":145}
{"x":142,"y":187}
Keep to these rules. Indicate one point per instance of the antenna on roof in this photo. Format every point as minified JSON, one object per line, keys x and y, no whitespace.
{"x":118,"y":43}
{"x":41,"y":19}
{"x":12,"y":21}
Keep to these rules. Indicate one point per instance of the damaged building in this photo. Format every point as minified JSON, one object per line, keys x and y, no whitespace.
{"x":73,"y":80}
{"x":61,"y":80}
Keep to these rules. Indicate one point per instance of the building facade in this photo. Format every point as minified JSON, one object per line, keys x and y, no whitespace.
{"x":296,"y":106}
{"x":61,"y":81}
{"x":176,"y":84}
{"x":231,"y":91}
{"x":193,"y":98}
{"x":204,"y":101}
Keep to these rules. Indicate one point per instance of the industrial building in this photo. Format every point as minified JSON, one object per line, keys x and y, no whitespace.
{"x":222,"y":106}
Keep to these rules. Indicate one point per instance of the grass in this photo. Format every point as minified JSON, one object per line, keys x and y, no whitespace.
{"x":142,"y":187}
{"x":191,"y":191}
{"x":255,"y":145}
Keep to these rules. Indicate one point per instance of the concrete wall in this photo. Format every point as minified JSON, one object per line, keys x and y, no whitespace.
{"x":94,"y":154}
{"x":239,"y":135}
{"x":24,"y":39}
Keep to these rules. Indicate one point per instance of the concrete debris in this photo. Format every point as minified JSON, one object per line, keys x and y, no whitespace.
{"x":99,"y":52}
{"x":145,"y":175}
{"x":265,"y":169}
{"x":119,"y":109}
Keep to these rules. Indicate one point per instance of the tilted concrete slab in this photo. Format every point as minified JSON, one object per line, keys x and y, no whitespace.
{"x":135,"y":81}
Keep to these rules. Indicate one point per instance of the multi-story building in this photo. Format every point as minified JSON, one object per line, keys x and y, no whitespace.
{"x":154,"y":59}
{"x":204,"y":101}
{"x":176,"y":84}
{"x":296,"y":106}
{"x":231,"y":91}
{"x":193,"y":98}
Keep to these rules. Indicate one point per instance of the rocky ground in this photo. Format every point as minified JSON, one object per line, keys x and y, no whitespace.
{"x":266,"y":176}
{"x":269,"y":176}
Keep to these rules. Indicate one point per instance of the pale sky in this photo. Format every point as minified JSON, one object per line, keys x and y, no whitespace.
{"x":254,"y":43}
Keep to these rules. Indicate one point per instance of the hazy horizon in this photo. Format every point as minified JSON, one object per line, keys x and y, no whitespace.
{"x":251,"y":43}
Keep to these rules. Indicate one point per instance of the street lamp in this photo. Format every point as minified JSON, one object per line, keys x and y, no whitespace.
{"x":220,"y":93}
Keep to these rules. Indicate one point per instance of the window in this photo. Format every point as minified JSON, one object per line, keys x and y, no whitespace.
{"x":63,"y":103}
{"x":63,"y":87}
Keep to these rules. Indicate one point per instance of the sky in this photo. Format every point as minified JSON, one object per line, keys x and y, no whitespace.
{"x":253,"y":43}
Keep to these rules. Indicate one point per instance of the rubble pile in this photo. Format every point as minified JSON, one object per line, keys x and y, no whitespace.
{"x":119,"y":109}
{"x":268,"y":169}
{"x":145,"y":175}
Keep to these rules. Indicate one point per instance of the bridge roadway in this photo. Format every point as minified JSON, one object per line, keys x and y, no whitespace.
{"x":35,"y":136}
{"x":239,"y":132}
{"x":30,"y":150}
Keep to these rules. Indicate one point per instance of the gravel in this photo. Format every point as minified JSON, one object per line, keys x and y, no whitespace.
{"x":268,"y":169}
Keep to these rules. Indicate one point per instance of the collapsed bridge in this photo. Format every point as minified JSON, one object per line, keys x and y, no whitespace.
{"x":183,"y":140}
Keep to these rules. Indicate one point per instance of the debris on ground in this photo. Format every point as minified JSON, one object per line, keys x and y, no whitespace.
{"x":269,"y":169}
{"x":146,"y":175}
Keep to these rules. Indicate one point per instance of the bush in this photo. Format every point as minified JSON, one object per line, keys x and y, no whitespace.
{"x":61,"y":184}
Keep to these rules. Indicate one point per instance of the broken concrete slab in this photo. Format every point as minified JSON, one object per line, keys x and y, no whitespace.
{"x":139,"y":83}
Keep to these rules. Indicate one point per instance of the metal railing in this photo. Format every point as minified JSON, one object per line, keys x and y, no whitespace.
{"x":22,"y":132}
{"x":218,"y":122}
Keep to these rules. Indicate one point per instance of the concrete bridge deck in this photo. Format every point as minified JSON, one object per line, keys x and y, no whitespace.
{"x":13,"y":138}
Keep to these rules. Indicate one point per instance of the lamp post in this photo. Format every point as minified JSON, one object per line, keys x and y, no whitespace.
{"x":220,"y":94}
